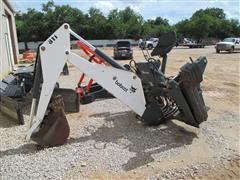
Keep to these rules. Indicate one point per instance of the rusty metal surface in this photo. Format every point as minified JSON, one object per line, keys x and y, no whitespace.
{"x":54,"y":129}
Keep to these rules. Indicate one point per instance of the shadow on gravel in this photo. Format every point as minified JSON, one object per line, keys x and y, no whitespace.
{"x":123,"y":129}
{"x":23,"y":149}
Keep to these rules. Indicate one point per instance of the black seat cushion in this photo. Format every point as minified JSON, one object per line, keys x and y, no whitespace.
{"x":165,"y":44}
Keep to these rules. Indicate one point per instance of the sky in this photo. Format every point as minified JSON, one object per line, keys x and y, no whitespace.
{"x":173,"y":10}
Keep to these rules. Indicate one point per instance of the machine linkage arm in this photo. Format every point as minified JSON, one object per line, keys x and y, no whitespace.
{"x":55,"y":52}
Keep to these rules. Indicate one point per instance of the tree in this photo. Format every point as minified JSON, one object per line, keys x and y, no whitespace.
{"x":36,"y":25}
{"x":156,"y":27}
{"x":131,"y":22}
{"x":28,"y":26}
{"x":234,"y":23}
{"x":214,"y":12}
{"x":117,"y":29}
{"x":161,"y":21}
{"x":210,"y":22}
{"x":55,"y":16}
{"x":96,"y":22}
{"x":125,"y":23}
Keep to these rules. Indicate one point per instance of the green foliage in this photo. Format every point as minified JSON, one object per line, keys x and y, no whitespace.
{"x":214,"y":12}
{"x":156,"y":27}
{"x":27,"y":25}
{"x":210,"y":22}
{"x":39,"y":25}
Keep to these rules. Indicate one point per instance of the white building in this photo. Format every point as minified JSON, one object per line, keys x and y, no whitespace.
{"x":8,"y":39}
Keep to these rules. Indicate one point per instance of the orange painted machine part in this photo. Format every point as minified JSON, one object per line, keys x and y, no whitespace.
{"x":88,"y":51}
{"x":92,"y":57}
{"x":28,"y":55}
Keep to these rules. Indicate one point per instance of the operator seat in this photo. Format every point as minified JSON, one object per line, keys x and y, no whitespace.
{"x":149,"y":75}
{"x":165,"y":44}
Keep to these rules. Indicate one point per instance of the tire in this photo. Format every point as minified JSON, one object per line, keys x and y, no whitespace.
{"x":231,"y":50}
{"x":150,"y":46}
{"x":217,"y":51}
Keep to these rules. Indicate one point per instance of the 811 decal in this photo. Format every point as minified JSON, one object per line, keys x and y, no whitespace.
{"x":52,"y":39}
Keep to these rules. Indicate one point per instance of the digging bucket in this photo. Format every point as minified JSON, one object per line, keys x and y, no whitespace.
{"x":54,"y":129}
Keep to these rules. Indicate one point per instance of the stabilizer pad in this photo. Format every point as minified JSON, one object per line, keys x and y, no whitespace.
{"x":191,"y":76}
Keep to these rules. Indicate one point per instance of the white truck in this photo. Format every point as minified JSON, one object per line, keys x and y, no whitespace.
{"x":191,"y":43}
{"x":228,"y":44}
{"x":149,"y":44}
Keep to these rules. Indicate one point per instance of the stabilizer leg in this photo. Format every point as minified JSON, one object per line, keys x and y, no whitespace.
{"x":53,"y":58}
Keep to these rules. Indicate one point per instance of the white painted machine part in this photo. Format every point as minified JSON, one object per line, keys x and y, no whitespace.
{"x":54,"y":53}
{"x":33,"y":107}
{"x":124,"y":85}
{"x":81,"y":39}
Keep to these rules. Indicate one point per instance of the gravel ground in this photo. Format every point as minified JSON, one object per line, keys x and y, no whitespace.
{"x":107,"y":142}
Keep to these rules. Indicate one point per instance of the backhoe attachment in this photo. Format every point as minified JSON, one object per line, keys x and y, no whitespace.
{"x":142,"y":86}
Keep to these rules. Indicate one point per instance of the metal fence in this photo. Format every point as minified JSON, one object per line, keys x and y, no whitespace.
{"x":97,"y":43}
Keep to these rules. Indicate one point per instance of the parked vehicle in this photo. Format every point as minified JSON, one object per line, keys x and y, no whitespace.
{"x":151,"y":43}
{"x":191,"y":43}
{"x":188,"y":41}
{"x":123,"y":50}
{"x":228,"y":44}
{"x":141,"y":43}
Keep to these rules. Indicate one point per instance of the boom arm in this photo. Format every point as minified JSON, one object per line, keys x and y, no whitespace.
{"x":55,"y":52}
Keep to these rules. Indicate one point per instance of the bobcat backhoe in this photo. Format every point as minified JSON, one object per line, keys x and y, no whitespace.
{"x":142,"y":86}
